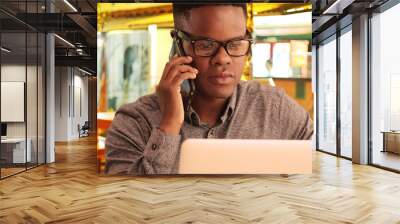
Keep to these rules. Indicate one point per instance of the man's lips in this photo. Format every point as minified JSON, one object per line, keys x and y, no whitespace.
{"x":222,"y":78}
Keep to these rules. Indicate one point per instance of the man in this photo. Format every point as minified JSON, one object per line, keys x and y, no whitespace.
{"x":146,"y":135}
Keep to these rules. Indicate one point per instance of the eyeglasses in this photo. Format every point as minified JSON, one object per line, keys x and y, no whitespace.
{"x":207,"y":47}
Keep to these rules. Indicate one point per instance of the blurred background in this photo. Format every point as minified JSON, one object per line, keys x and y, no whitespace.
{"x":133,"y":45}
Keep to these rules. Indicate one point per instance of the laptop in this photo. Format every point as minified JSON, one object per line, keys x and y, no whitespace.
{"x":249,"y":156}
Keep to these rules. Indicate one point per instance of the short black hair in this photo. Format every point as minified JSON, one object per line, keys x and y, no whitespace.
{"x":182,"y":10}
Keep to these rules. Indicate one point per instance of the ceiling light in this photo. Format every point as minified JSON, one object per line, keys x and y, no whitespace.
{"x":65,"y":41}
{"x":295,"y":10}
{"x":337,"y":7}
{"x":84,"y":71}
{"x":70,"y":5}
{"x":5,"y":50}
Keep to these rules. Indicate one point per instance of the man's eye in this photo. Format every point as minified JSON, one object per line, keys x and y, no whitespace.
{"x":205,"y":45}
{"x":235,"y":44}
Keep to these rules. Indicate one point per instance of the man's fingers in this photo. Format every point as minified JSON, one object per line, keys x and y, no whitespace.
{"x":175,"y":60}
{"x":181,"y":60}
{"x":177,"y":69}
{"x":183,"y":76}
{"x":166,"y":70}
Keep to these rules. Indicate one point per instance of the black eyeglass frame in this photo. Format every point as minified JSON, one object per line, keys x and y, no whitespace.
{"x":182,"y":35}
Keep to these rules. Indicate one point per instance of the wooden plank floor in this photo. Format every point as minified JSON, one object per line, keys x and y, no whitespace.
{"x":70,"y":191}
{"x":387,"y":159}
{"x":10,"y":171}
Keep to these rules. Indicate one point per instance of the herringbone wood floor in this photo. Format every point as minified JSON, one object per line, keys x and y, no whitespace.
{"x":70,"y":191}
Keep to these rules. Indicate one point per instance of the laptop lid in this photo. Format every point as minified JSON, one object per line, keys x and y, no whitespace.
{"x":238,"y":156}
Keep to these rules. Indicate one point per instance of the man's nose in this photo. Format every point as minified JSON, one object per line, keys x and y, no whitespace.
{"x":221,"y":57}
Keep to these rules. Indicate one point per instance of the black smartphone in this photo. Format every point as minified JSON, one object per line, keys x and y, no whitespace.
{"x":188,"y":86}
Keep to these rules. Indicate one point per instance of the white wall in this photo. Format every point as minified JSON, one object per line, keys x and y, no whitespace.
{"x":61,"y":103}
{"x":80,"y":100}
{"x":13,"y":73}
{"x":71,"y":93}
{"x":33,"y":127}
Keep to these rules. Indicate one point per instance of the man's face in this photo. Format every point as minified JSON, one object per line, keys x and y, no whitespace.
{"x":219,"y":74}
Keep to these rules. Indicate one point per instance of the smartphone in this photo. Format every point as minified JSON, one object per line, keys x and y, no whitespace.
{"x":188,"y":86}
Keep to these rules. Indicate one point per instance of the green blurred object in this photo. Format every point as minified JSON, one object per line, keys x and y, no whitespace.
{"x":300,"y":89}
{"x":112,"y":103}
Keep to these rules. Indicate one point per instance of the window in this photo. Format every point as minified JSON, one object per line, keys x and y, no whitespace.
{"x":346,"y":93}
{"x":327,"y":96}
{"x":385,"y":89}
{"x":22,"y":75}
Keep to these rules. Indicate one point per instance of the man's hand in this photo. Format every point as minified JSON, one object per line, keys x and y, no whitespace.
{"x":168,"y":91}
